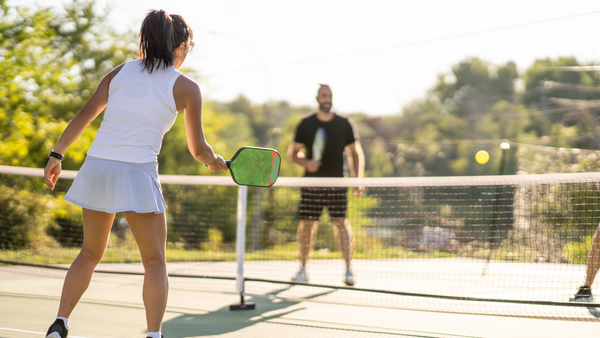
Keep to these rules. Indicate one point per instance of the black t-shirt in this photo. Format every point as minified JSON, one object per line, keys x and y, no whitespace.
{"x":339,"y":132}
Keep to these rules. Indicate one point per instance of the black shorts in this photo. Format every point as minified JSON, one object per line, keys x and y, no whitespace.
{"x":313,"y":200}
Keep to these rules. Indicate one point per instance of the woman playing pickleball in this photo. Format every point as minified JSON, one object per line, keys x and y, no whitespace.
{"x":120,"y":174}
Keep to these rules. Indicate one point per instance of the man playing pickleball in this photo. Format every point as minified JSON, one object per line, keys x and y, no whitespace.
{"x":324,"y":136}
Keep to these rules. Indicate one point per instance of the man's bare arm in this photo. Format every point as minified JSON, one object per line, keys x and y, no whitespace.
{"x":356,"y":159}
{"x":310,"y":165}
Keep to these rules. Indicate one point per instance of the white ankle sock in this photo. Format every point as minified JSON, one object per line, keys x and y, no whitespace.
{"x":65,"y":320}
{"x":154,"y":334}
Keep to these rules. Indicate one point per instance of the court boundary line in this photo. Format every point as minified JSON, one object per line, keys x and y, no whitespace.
{"x":373,"y":328}
{"x":424,"y":295}
{"x":32,"y":332}
{"x":171,"y":309}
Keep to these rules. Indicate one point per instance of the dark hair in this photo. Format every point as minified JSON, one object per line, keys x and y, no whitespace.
{"x":321,"y":86}
{"x":160,"y":35}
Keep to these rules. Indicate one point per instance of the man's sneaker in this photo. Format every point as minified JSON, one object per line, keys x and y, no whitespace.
{"x":301,"y":276}
{"x":162,"y":335}
{"x":349,"y":280}
{"x":57,"y":330}
{"x":583,"y":295}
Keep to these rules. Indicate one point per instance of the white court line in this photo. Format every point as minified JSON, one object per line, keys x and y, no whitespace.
{"x":32,"y":332}
{"x":555,"y":293}
{"x":7,"y":281}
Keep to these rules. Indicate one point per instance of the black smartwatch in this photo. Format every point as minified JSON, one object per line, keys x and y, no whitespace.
{"x":55,"y":155}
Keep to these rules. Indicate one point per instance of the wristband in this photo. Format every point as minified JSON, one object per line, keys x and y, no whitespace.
{"x":55,"y":155}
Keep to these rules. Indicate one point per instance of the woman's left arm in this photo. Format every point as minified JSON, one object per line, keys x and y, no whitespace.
{"x":92,"y":108}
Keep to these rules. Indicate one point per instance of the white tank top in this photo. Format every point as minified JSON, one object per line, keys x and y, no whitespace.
{"x":140,"y":110}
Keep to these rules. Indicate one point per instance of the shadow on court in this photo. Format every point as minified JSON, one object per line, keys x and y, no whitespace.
{"x":224,"y":321}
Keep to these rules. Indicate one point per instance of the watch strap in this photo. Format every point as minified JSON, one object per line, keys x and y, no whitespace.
{"x":56,"y":155}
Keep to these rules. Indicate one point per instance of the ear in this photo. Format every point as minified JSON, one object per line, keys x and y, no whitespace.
{"x":179,"y":49}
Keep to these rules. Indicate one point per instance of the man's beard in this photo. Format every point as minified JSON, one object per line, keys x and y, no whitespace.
{"x":325,"y":107}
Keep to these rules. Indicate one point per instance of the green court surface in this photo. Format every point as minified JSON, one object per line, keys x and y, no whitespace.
{"x":112,"y":307}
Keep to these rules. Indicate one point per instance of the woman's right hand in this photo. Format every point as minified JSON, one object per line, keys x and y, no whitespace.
{"x":51,"y":172}
{"x":218,"y":165}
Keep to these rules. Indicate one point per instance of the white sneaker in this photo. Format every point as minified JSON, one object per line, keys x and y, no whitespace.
{"x":349,"y":280}
{"x":301,"y":276}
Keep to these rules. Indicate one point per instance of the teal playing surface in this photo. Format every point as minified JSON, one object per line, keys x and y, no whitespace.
{"x":112,"y":307}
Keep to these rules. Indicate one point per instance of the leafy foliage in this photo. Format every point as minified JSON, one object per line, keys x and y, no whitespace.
{"x":67,"y":224}
{"x":50,"y":65}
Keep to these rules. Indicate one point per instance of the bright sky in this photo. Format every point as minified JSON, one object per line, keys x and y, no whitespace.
{"x":377,"y":55}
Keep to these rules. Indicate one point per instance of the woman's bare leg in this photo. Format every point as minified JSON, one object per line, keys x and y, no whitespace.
{"x":96,"y":231}
{"x":150,"y":233}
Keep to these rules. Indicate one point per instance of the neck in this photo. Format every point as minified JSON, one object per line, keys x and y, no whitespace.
{"x":324,"y":117}
{"x":177,"y":63}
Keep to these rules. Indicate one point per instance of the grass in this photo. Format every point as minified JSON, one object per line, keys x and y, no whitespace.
{"x":577,"y":251}
{"x":112,"y":255}
{"x":130,"y":254}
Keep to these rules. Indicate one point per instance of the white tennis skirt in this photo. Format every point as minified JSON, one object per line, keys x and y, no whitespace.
{"x":116,"y":186}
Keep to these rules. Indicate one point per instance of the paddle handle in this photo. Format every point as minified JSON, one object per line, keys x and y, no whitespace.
{"x":228,"y":162}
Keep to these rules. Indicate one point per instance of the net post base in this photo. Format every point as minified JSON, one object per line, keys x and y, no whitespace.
{"x":242,"y":305}
{"x":246,"y":306}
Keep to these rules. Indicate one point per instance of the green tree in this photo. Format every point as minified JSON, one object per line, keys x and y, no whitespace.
{"x":546,"y":78}
{"x":224,"y":130}
{"x":474,"y":86}
{"x":562,"y":99}
{"x":475,"y":106}
{"x":50,"y":65}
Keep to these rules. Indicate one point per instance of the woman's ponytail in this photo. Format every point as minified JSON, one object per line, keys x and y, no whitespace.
{"x":156,"y":40}
{"x":160,"y":35}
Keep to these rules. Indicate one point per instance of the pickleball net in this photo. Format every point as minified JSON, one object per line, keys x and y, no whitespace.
{"x":505,"y":245}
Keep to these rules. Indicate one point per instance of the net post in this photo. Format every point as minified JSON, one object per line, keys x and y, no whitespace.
{"x":240,"y":248}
